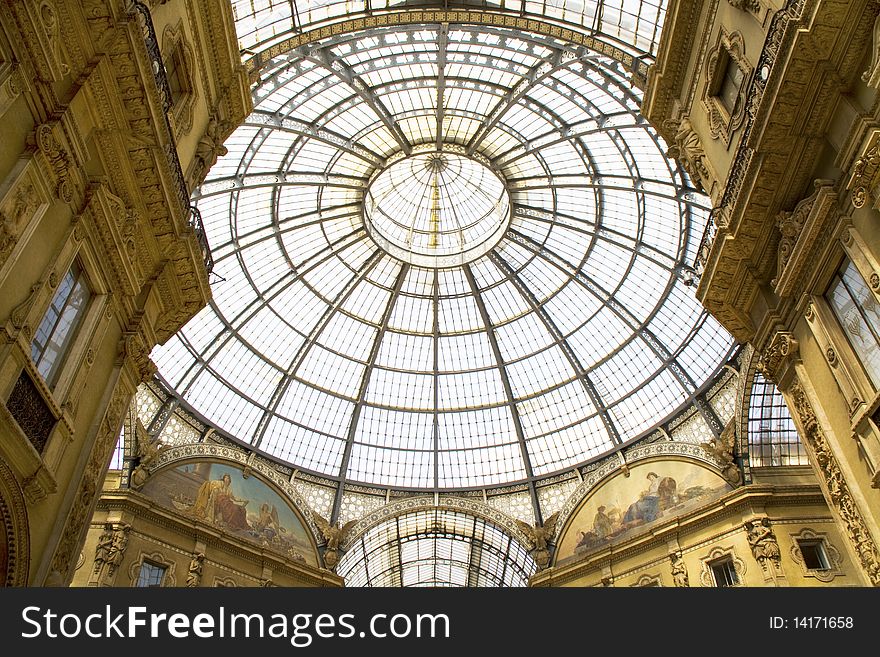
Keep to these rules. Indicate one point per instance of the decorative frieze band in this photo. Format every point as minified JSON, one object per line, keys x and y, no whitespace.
{"x":837,"y":490}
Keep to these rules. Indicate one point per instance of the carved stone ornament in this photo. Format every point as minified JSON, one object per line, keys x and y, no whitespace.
{"x":81,"y":510}
{"x":729,"y":50}
{"x":539,"y":539}
{"x":752,"y":6}
{"x":800,"y":231}
{"x":871,"y":76}
{"x":716,"y":554}
{"x":174,"y":44}
{"x":764,"y":546}
{"x":58,"y":159}
{"x":865,"y":172}
{"x":679,"y":570}
{"x":838,"y":495}
{"x":14,"y":519}
{"x":334,"y":535}
{"x":209,"y":148}
{"x":687,"y":148}
{"x":147,"y":451}
{"x":14,"y":217}
{"x":832,"y":554}
{"x":722,"y":449}
{"x":782,"y":347}
{"x":194,"y":574}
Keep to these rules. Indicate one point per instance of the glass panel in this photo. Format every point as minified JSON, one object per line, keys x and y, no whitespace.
{"x":151,"y":574}
{"x":58,"y":326}
{"x":442,"y":284}
{"x":436,"y":548}
{"x":857,"y":311}
{"x":773,"y":438}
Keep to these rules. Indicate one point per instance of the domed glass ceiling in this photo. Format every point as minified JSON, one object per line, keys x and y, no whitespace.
{"x":383,"y":318}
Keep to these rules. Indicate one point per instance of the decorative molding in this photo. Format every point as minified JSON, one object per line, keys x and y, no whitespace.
{"x":800,"y":231}
{"x":832,"y":553}
{"x":59,"y":161}
{"x":783,"y":347}
{"x":837,"y":490}
{"x":729,"y":48}
{"x":174,"y":43}
{"x":14,"y":517}
{"x":714,"y":555}
{"x":648,"y":580}
{"x":134,"y":570}
{"x":449,"y":502}
{"x":639,"y":67}
{"x":89,"y":484}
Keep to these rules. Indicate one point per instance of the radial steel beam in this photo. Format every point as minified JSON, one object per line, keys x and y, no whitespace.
{"x":621,"y":311}
{"x":306,"y":346}
{"x":508,"y":388}
{"x":227,"y":184}
{"x":344,"y":72}
{"x":570,"y":355}
{"x":442,"y":44}
{"x":262,"y":119}
{"x":362,"y":388}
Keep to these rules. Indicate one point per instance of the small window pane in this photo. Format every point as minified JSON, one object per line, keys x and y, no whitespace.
{"x":59,"y":324}
{"x":857,"y":311}
{"x":151,"y":574}
{"x":730,"y":84}
{"x":724,"y":573}
{"x":814,"y":555}
{"x":773,"y":438}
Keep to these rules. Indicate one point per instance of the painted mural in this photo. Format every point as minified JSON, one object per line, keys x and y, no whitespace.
{"x":218,"y":493}
{"x":624,"y":506}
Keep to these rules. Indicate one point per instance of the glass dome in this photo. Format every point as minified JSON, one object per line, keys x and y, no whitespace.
{"x":451,"y":256}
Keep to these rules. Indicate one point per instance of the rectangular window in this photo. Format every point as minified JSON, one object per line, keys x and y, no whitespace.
{"x":858,"y":313}
{"x":814,"y":555}
{"x":729,"y":84}
{"x":724,"y":572}
{"x":151,"y":574}
{"x":60,"y":323}
{"x":174,"y":71}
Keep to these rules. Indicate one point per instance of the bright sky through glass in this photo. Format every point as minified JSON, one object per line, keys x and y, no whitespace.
{"x":571,"y":335}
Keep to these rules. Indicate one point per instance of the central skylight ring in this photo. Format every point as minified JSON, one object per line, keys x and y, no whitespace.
{"x":436,"y":209}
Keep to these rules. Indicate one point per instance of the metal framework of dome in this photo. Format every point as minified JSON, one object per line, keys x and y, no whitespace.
{"x":376,"y":320}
